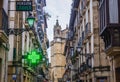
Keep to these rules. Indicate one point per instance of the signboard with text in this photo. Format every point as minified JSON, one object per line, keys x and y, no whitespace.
{"x":14,"y":77}
{"x":24,"y":6}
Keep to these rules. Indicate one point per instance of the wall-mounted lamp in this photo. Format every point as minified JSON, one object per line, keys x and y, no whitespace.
{"x":17,"y":31}
{"x":78,"y":49}
{"x":30,"y":20}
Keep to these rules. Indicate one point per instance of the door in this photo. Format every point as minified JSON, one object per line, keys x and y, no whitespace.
{"x":117,"y":73}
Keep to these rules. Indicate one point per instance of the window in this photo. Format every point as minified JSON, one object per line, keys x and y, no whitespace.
{"x":113,"y":11}
{"x":102,"y":80}
{"x":39,"y":1}
{"x":102,"y":14}
{"x":58,"y":32}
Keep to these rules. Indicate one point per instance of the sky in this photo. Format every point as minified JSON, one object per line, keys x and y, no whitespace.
{"x":58,"y":9}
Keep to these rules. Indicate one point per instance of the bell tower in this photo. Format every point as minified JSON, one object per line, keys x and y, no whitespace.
{"x":57,"y":31}
{"x":58,"y":60}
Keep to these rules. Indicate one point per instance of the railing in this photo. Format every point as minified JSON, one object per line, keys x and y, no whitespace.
{"x":87,"y":29}
{"x":83,"y":35}
{"x":87,"y":1}
{"x":81,"y":17}
{"x":89,"y":62}
{"x":71,"y":52}
{"x":83,"y":67}
{"x":4,"y":21}
{"x":39,"y":1}
{"x":83,"y":5}
{"x":80,"y":42}
{"x":70,"y":35}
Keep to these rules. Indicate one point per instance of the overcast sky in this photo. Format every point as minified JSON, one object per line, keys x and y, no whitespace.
{"x":60,"y":8}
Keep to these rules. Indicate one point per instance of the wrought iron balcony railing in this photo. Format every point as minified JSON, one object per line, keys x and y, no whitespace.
{"x":89,"y":62}
{"x":80,"y":42}
{"x":81,"y":70}
{"x":87,"y":29}
{"x":83,"y":35}
{"x":83,"y":6}
{"x":70,"y":35}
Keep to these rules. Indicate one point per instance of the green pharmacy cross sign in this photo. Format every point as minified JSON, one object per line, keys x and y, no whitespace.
{"x":24,"y":6}
{"x":34,"y":57}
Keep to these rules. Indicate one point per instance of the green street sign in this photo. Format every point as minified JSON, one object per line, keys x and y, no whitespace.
{"x":24,"y":6}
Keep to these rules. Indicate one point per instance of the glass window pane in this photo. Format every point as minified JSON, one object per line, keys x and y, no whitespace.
{"x":113,"y":11}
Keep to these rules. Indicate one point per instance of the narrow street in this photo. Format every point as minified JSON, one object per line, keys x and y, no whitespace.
{"x":60,"y":41}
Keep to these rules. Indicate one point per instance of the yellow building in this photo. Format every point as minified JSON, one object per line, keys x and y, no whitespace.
{"x":58,"y":60}
{"x":4,"y":46}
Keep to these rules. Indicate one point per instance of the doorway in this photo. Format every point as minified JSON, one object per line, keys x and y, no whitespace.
{"x":117,"y":74}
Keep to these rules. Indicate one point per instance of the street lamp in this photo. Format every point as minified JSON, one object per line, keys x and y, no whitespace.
{"x":78,"y":49}
{"x":30,"y":20}
{"x":16,"y":31}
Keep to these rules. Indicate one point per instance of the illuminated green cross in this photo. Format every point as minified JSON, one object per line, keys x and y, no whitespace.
{"x":34,"y":57}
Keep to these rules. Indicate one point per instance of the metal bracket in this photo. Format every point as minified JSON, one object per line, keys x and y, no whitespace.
{"x":18,"y":31}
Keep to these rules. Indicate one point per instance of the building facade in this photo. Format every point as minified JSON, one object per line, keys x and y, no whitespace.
{"x":57,"y":58}
{"x":42,"y":35}
{"x":22,"y":43}
{"x":86,"y":59}
{"x":109,"y":14}
{"x":4,"y":46}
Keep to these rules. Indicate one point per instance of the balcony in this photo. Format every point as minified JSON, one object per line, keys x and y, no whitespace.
{"x":70,"y":35}
{"x":88,"y":32}
{"x":80,"y":42}
{"x":83,"y":37}
{"x":83,"y":7}
{"x":75,"y":31}
{"x":109,"y":13}
{"x":75,"y":77}
{"x":80,"y":17}
{"x":87,"y":2}
{"x":39,"y":1}
{"x":82,"y":68}
{"x":74,"y":58}
{"x":47,"y":43}
{"x":89,"y":62}
{"x":113,"y":51}
{"x":3,"y":26}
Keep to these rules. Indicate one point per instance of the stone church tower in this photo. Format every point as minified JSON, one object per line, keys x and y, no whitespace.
{"x":58,"y":60}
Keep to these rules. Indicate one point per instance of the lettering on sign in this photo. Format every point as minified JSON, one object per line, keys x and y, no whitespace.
{"x":24,"y":6}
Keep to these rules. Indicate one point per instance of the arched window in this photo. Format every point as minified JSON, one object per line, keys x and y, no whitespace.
{"x":58,"y":31}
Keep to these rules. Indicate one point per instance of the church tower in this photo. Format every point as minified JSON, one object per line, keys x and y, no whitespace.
{"x":58,"y":60}
{"x":57,"y":31}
